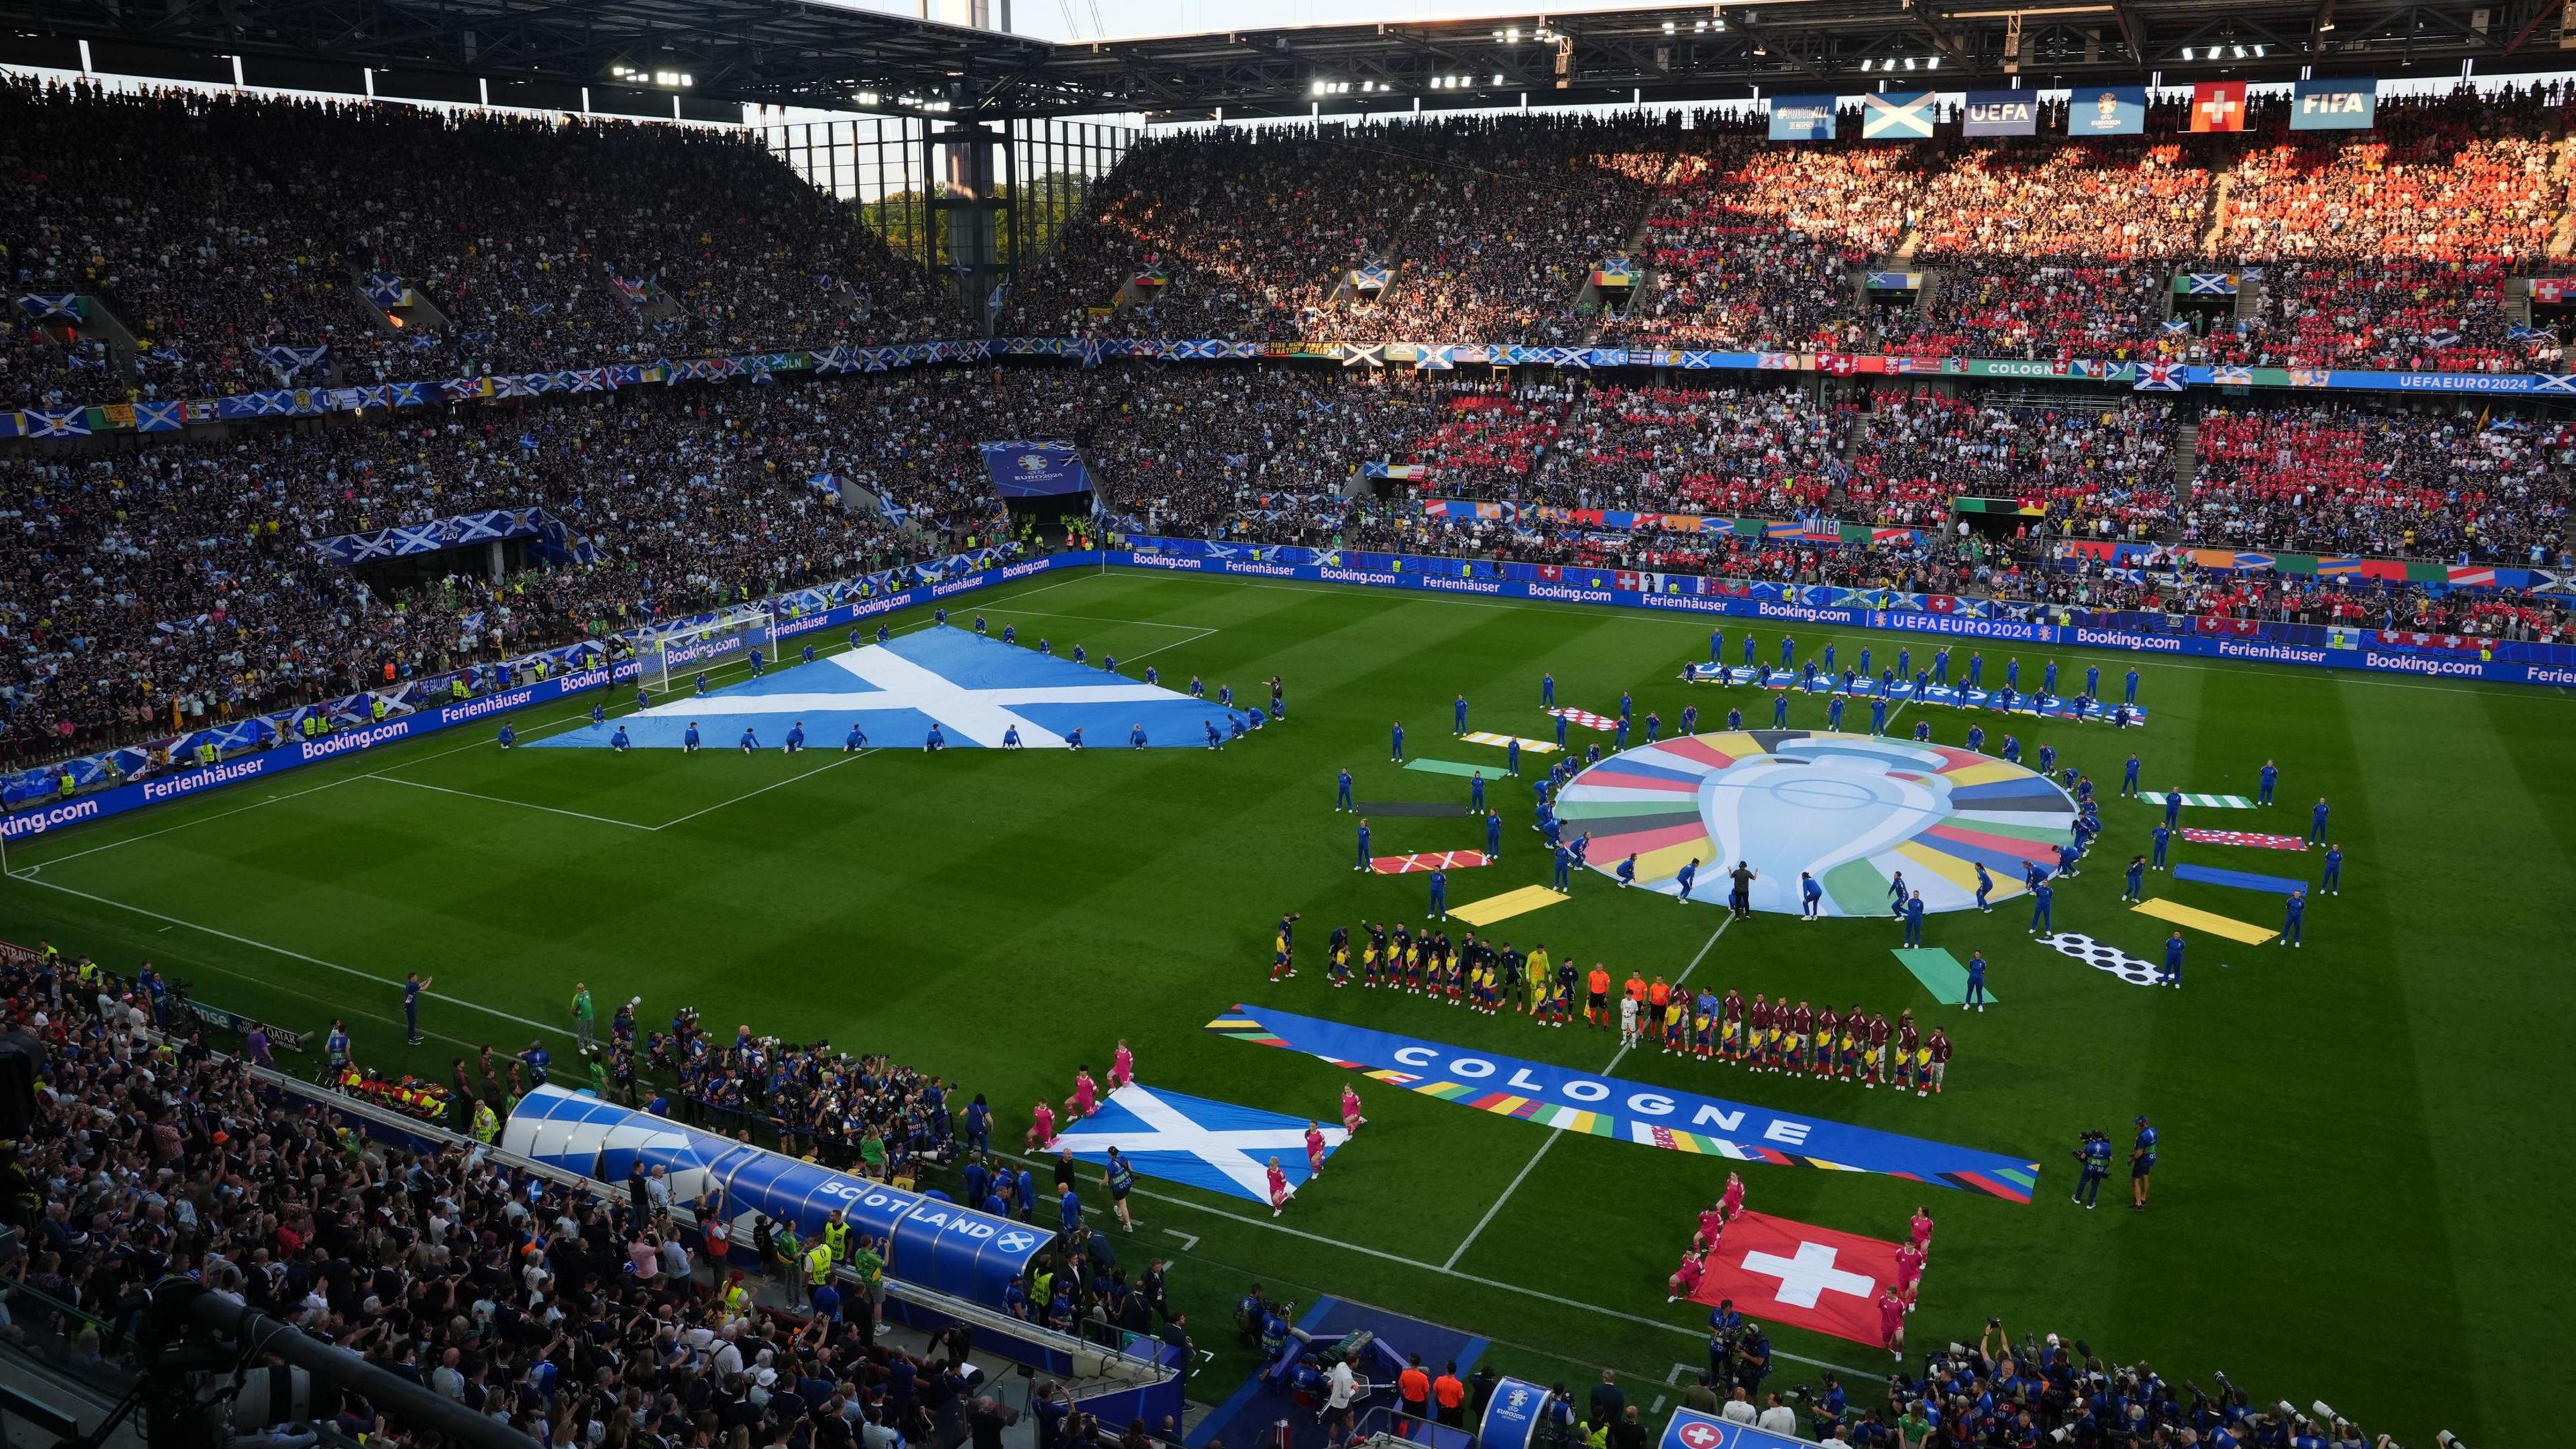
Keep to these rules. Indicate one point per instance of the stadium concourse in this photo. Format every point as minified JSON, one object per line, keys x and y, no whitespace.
{"x":156,"y":583}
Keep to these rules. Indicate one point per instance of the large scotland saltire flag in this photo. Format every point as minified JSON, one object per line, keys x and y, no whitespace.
{"x":976,"y":689}
{"x":1215,"y":1145}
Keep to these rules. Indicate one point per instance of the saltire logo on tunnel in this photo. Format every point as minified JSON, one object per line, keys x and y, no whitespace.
{"x":1854,"y":811}
{"x":1648,"y":1116}
{"x":976,"y":689}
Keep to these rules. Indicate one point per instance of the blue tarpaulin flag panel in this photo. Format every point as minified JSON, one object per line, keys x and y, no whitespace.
{"x":930,"y":1241}
{"x":2107,"y":111}
{"x":2350,"y":104}
{"x":1802,"y":118}
{"x":977,"y":689}
{"x":1035,"y":470}
{"x":1218,"y":1146}
{"x":1600,"y":1106}
{"x":2000,"y":113}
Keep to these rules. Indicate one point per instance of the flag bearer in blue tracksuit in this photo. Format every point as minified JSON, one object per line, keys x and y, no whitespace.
{"x":642,"y":699}
{"x":2297,"y":910}
{"x":1547,"y":691}
{"x":1834,"y":713}
{"x":2048,"y":681}
{"x":1779,"y":711}
{"x":1878,"y":714}
{"x":2092,"y":681}
{"x":2333,"y":883}
{"x":1493,"y":836}
{"x":1560,"y":732}
{"x":1564,"y":880}
{"x":1364,"y":851}
{"x":598,"y":715}
{"x":1985,"y":887}
{"x":1811,"y":897}
{"x":2047,"y":758}
{"x":1342,"y":793}
{"x":1923,"y":732}
{"x":1458,"y":716}
{"x":2042,"y":896}
{"x":1977,"y":997}
{"x":1941,"y":666}
{"x":795,"y":738}
{"x":1897,"y":890}
{"x":1538,"y":787}
{"x":1976,"y":669}
{"x":1914,"y":919}
{"x":1788,"y":650}
{"x":1690,"y":719}
{"x":1734,"y":719}
{"x":756,"y":664}
{"x":1716,"y":645}
{"x":1399,"y":741}
{"x":857,"y":739}
{"x":1628,"y":871}
{"x":749,"y":741}
{"x":933,"y":742}
{"x":509,"y":737}
{"x":1619,"y":740}
{"x":2317,"y":823}
{"x":619,"y":742}
{"x":2136,"y":884}
{"x":2067,"y":855}
{"x":2172,"y":974}
{"x":1829,"y":656}
{"x":1654,"y":726}
{"x":1136,"y":735}
{"x":1439,"y":895}
{"x":2129,"y":779}
{"x":1512,"y":758}
{"x":1689,"y":874}
{"x":689,"y":741}
{"x":1748,"y":648}
{"x":1216,"y":740}
{"x":2131,"y":696}
{"x":2173,"y":807}
{"x":2271,"y":778}
{"x":1976,"y":739}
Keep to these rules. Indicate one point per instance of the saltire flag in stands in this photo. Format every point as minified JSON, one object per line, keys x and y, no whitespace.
{"x":1587,"y":719}
{"x":2159,"y":377}
{"x":1427,"y":861}
{"x":2198,"y":836}
{"x":1814,"y":1278}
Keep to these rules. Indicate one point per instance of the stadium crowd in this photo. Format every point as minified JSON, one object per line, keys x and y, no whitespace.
{"x":2381,"y":482}
{"x":541,"y":243}
{"x":576,"y":1318}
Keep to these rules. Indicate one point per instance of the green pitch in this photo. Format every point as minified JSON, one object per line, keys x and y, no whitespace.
{"x":2366,"y":1142}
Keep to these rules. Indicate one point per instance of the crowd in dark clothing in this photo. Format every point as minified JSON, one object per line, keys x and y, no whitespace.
{"x":576,"y":1317}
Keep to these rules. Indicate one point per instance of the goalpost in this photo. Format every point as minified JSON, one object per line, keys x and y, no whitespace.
{"x":684,"y":650}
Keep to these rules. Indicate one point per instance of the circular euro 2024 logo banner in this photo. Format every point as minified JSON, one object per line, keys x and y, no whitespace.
{"x":1852,"y":810}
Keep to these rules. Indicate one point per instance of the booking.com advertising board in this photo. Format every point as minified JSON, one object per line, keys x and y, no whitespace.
{"x":2506,"y":662}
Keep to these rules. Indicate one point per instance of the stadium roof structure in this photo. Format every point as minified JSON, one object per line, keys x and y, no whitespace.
{"x":701,"y":57}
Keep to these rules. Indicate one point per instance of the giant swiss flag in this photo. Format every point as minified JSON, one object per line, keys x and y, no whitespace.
{"x":1807,"y":1277}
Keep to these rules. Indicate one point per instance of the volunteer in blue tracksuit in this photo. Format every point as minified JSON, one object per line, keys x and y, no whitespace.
{"x":1493,"y":837}
{"x":2297,"y":910}
{"x":2271,"y":778}
{"x":1977,"y":998}
{"x":1342,"y":793}
{"x":1364,"y":847}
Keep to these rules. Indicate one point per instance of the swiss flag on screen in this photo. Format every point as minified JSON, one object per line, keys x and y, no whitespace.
{"x":1808,"y":1277}
{"x":2218,"y":106}
{"x":1551,"y":573}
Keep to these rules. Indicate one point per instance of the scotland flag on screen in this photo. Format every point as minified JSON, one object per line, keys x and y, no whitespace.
{"x":1215,"y":1145}
{"x":1034,"y":470}
{"x":977,"y":690}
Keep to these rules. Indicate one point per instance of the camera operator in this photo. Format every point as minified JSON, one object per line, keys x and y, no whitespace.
{"x":1752,"y":1357}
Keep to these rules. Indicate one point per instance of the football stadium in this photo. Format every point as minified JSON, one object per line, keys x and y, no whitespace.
{"x":686,"y":686}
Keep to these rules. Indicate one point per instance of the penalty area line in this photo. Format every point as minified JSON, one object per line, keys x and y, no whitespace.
{"x":506,"y":800}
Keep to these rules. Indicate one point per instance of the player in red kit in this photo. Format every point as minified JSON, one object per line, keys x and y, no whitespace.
{"x":1685,"y":1279}
{"x":1042,"y":1125}
{"x":1122,"y":1066}
{"x":1730,"y":1203}
{"x":1909,"y":1273}
{"x":1314,"y":1149}
{"x":1278,"y":1188}
{"x":1351,"y":1118}
{"x":1891,"y":1323}
{"x":1921,"y":1227}
{"x":1086,"y":1092}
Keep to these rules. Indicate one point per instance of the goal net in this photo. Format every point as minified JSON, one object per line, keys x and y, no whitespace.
{"x":680,"y":652}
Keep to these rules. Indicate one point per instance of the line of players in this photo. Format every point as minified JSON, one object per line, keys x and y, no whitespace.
{"x":1764,"y":1036}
